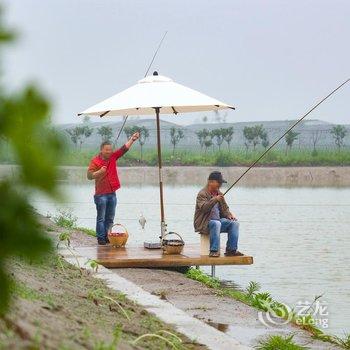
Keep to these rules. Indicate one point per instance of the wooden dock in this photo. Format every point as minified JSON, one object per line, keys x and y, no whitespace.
{"x":129,"y":256}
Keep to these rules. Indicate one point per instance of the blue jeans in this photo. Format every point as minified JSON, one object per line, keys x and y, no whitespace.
{"x":223,"y":225}
{"x":105,"y":206}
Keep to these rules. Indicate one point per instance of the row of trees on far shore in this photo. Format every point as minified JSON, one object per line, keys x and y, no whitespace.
{"x":80,"y":133}
{"x":253,"y":136}
{"x":207,"y":138}
{"x":256,"y":135}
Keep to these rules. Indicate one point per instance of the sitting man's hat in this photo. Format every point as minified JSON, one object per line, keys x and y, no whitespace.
{"x":216,"y":175}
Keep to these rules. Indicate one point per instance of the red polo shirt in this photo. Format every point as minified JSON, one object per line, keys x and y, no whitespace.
{"x":109,"y":182}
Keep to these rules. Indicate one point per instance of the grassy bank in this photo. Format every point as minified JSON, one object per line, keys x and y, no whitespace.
{"x":263,"y":301}
{"x":237,"y":157}
{"x":58,"y":306}
{"x":252,"y":296}
{"x":223,"y":158}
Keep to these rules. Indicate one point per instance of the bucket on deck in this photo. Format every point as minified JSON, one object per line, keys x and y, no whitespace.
{"x":118,"y":235}
{"x":172,"y":246}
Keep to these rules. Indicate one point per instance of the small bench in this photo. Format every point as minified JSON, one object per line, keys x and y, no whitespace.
{"x":204,"y":244}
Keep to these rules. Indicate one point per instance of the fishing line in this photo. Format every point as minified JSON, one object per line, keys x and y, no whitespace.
{"x":241,"y":221}
{"x":149,"y":67}
{"x":280,"y":138}
{"x":193,"y":204}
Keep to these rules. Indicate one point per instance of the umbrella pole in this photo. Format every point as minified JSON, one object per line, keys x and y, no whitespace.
{"x":162,"y":216}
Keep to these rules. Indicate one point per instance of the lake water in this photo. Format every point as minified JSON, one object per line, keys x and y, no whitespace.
{"x":299,"y":237}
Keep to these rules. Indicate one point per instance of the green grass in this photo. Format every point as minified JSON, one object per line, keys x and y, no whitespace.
{"x":21,"y":290}
{"x":239,"y":157}
{"x":278,"y":342}
{"x":344,"y":342}
{"x":214,"y":283}
{"x":95,"y":316}
{"x":234,"y":157}
{"x":199,"y":276}
{"x":65,"y":219}
{"x":87,"y":231}
{"x":264,"y":301}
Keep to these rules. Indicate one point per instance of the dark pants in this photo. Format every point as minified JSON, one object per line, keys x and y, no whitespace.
{"x":105,"y":206}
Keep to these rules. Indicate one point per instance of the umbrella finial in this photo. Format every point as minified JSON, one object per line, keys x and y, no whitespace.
{"x":155,"y":73}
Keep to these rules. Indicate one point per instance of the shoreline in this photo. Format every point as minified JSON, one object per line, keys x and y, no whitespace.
{"x":230,"y":316}
{"x":323,"y":176}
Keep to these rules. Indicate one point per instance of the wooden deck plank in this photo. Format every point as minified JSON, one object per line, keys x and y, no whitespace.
{"x":134,"y":256}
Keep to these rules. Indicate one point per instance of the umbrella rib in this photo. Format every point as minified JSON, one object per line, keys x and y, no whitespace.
{"x":227,"y":107}
{"x":103,"y":114}
{"x":174,"y":110}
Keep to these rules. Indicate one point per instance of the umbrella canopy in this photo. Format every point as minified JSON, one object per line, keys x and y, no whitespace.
{"x":155,"y":91}
{"x":156,"y":95}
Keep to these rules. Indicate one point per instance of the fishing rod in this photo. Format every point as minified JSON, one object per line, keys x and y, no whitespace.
{"x":280,"y":138}
{"x":149,"y":67}
{"x":155,"y":54}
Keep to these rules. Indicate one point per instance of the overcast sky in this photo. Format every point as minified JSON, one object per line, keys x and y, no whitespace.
{"x":271,"y":59}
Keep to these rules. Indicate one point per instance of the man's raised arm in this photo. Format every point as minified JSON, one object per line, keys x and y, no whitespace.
{"x":120,"y":151}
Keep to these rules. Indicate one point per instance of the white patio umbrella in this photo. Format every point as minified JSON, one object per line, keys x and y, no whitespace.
{"x":156,"y":95}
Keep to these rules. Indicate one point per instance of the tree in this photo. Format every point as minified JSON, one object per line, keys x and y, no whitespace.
{"x":175,"y":136}
{"x":86,"y":129}
{"x":228,"y":135}
{"x":106,"y":133}
{"x":208,"y":143}
{"x":80,"y":133}
{"x":247,"y":133}
{"x":339,"y":132}
{"x":253,"y":135}
{"x":290,"y":138}
{"x":315,"y":136}
{"x":129,"y":130}
{"x":218,"y":135}
{"x":75,"y":134}
{"x":23,"y":116}
{"x":144,"y":134}
{"x":202,"y":135}
{"x":265,"y":142}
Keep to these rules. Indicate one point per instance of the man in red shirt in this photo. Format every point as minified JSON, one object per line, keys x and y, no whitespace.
{"x":103,"y":169}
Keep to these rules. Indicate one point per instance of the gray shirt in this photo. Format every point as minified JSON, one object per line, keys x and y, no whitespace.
{"x":215,"y":212}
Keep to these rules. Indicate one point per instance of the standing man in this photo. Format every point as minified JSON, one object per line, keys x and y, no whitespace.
{"x":212,"y":216}
{"x":103,"y":169}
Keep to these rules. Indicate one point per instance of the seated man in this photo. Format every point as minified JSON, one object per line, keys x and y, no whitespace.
{"x":212,"y":216}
